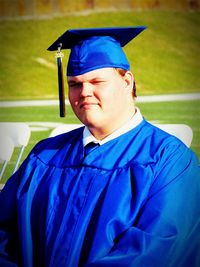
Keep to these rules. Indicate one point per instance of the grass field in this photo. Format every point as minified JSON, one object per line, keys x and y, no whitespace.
{"x":187,"y":112}
{"x":164,"y":58}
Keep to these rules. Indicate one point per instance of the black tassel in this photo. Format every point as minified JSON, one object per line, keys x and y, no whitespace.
{"x":61,"y":91}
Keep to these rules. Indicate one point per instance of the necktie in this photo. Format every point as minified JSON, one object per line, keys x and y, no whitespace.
{"x":90,"y":147}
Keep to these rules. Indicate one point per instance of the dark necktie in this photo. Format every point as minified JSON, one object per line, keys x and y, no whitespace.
{"x":90,"y":147}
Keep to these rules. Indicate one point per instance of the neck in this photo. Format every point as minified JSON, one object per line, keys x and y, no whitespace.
{"x":101,"y":133}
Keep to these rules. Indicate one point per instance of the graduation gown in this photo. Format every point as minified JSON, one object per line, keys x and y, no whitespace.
{"x":133,"y":201}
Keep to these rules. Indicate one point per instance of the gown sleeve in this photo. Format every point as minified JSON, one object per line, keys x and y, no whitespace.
{"x":9,"y":237}
{"x":167,"y":230}
{"x":9,"y":253}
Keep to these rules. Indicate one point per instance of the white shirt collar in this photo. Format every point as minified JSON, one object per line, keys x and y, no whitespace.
{"x":132,"y":123}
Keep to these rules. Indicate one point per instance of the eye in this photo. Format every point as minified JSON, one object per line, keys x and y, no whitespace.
{"x":98,"y":82}
{"x":75,"y":85}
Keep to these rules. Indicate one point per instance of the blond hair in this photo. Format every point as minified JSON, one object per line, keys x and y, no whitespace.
{"x":122,"y":72}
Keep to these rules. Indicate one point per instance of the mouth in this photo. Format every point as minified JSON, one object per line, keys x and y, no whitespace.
{"x":87,"y":105}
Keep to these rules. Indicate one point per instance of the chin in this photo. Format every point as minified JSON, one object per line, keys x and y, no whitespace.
{"x":90,"y":120}
{"x":92,"y":123}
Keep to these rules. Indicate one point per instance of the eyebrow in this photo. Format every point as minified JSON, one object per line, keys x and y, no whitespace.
{"x":73,"y":81}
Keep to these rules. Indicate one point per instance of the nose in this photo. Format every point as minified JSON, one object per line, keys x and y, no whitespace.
{"x":86,"y":90}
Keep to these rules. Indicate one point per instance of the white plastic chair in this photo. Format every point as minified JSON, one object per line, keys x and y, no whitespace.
{"x":6,"y":151}
{"x":64,"y":128}
{"x":19,"y":133}
{"x":181,"y":131}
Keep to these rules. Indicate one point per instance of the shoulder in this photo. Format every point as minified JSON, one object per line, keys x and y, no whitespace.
{"x":59,"y":140}
{"x":157,"y":147}
{"x":152,"y":140}
{"x":57,"y":146}
{"x":161,"y":139}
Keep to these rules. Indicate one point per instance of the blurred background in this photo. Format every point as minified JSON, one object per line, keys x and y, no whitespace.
{"x":164,"y":58}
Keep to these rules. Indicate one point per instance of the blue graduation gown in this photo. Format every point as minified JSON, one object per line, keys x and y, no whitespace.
{"x":133,"y":201}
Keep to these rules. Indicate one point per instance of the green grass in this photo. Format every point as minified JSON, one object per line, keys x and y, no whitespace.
{"x":187,"y":112}
{"x":164,"y":58}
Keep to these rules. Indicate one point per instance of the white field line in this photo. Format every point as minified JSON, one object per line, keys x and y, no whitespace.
{"x":140,"y":99}
{"x":172,"y":97}
{"x":29,"y":103}
{"x":45,"y":63}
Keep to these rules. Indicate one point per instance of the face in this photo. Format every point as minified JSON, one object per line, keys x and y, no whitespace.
{"x":102,"y":99}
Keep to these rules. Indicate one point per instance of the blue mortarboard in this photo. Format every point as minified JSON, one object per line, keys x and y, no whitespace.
{"x":94,"y":48}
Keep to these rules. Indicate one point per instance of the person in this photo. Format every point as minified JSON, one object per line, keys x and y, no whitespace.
{"x":131,"y":201}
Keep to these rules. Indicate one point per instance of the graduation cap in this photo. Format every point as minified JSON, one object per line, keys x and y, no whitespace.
{"x":92,"y":49}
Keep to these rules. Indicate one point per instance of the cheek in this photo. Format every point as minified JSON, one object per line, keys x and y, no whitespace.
{"x":116,"y":93}
{"x":73,"y":97}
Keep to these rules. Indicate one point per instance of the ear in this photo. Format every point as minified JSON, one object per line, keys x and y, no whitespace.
{"x":129,"y":79}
